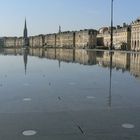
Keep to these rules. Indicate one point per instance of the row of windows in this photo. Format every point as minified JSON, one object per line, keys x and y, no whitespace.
{"x":136,"y":29}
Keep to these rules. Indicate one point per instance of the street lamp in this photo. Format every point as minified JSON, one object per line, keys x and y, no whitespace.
{"x":111,"y":44}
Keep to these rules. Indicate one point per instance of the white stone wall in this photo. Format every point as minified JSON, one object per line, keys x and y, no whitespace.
{"x":135,"y":37}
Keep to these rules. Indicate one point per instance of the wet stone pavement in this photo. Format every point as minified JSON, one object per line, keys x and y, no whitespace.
{"x":42,"y":98}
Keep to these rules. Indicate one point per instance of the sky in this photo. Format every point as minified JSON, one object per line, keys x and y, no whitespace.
{"x":45,"y":16}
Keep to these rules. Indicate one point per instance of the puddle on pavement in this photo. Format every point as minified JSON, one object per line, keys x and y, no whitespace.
{"x":27,"y":99}
{"x":128,"y":126}
{"x":90,"y":97}
{"x":29,"y":132}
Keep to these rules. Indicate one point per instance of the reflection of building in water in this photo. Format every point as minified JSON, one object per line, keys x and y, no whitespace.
{"x":72,"y":55}
{"x":37,"y":52}
{"x":135,"y":35}
{"x":85,"y":57}
{"x":14,"y":51}
{"x":119,"y":60}
{"x":51,"y":53}
{"x":81,"y":56}
{"x":135,"y":65}
{"x":66,"y":55}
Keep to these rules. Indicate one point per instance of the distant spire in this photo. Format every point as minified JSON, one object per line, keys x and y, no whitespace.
{"x":25,"y":34}
{"x":59,"y":29}
{"x":25,"y":24}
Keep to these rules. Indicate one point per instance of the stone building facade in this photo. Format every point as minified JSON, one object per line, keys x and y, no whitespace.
{"x":86,"y":39}
{"x":58,"y":40}
{"x":78,"y":39}
{"x":100,"y":36}
{"x":121,"y":37}
{"x":36,"y":41}
{"x":10,"y":41}
{"x":126,"y":37}
{"x":31,"y":41}
{"x":135,"y":35}
{"x":66,"y":39}
{"x":1,"y":42}
{"x":19,"y":42}
{"x":50,"y":40}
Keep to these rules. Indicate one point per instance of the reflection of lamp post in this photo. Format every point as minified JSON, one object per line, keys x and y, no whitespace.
{"x":110,"y":81}
{"x":111,"y":45}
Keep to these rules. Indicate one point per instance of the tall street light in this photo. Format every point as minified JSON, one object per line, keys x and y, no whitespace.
{"x":111,"y":44}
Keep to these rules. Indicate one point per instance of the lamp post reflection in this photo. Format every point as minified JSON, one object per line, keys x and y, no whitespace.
{"x":110,"y":82}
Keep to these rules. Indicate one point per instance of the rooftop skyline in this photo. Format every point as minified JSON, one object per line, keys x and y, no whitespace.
{"x":45,"y":16}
